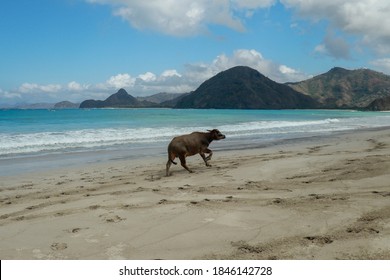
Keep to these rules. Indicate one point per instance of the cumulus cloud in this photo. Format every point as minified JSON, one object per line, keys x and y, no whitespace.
{"x":32,"y":87}
{"x":245,"y":57}
{"x":75,"y":86}
{"x":382,"y":64}
{"x":334,"y":46}
{"x":31,"y":93}
{"x":253,"y":4}
{"x":170,"y":80}
{"x":147,"y":77}
{"x":6,"y":95}
{"x":367,"y":19}
{"x":170,"y":73}
{"x":183,"y":17}
{"x":119,"y":81}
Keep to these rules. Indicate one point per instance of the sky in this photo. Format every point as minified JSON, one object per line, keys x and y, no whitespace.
{"x":55,"y":50}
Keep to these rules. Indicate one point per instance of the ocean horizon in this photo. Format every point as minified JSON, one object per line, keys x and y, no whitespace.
{"x":33,"y":139}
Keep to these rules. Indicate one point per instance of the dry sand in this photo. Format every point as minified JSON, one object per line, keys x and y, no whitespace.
{"x":315,"y":199}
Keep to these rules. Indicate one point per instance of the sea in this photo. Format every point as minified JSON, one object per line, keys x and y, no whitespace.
{"x":32,"y":140}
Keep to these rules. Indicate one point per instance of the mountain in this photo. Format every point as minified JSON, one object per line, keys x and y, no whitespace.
{"x":380,"y":104}
{"x":242,"y":87}
{"x":342,"y":88}
{"x":173,"y":102}
{"x":42,"y":105}
{"x":121,"y":99}
{"x":66,"y":105}
{"x":160,"y":97}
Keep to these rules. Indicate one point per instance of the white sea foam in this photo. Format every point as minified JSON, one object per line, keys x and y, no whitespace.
{"x":259,"y":127}
{"x":17,"y":143}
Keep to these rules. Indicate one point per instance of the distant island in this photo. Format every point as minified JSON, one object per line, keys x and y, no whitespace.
{"x":121,"y":99}
{"x":66,"y":105}
{"x":47,"y":106}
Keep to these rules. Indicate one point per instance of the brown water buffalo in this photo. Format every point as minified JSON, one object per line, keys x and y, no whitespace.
{"x":192,"y":144}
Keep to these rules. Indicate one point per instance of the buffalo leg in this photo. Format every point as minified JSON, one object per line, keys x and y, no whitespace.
{"x":210,"y":152}
{"x":205,"y":159}
{"x":169,"y":162}
{"x":183,"y":163}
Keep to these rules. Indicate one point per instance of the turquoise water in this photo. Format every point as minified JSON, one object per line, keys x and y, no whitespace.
{"x":45,"y":131}
{"x":100,"y":134}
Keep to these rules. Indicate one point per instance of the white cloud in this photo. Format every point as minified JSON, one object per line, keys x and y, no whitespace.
{"x":286,"y":70}
{"x":367,"y":19}
{"x":119,"y":81}
{"x":147,"y":77}
{"x":27,"y":87}
{"x":253,"y":4}
{"x":245,"y":57}
{"x":168,"y":81}
{"x":9,"y":95}
{"x":183,"y":17}
{"x":170,"y":73}
{"x":148,"y":83}
{"x":74,"y":86}
{"x":321,"y":49}
{"x":196,"y":73}
{"x":334,"y":46}
{"x":31,"y":87}
{"x":382,"y":64}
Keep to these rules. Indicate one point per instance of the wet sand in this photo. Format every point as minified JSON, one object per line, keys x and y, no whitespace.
{"x":322,"y":198}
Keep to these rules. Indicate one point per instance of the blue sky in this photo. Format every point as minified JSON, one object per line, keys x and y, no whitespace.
{"x":54,"y":50}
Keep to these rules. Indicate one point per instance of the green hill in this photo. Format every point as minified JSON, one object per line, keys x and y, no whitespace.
{"x":342,"y":88}
{"x":242,"y":87}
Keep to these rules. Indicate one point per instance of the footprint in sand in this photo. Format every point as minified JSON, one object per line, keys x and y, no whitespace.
{"x":58,"y":246}
{"x":384,"y":194}
{"x":359,"y":229}
{"x":162,"y":201}
{"x":113,"y":219}
{"x":319,"y":240}
{"x":75,"y":230}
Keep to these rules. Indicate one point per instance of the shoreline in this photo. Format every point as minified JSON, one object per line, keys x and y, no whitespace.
{"x":38,"y":162}
{"x":325,"y":197}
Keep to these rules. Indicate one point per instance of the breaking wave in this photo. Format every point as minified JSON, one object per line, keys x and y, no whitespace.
{"x":17,"y":143}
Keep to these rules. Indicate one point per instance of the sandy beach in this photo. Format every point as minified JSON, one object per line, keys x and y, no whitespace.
{"x":319,"y":198}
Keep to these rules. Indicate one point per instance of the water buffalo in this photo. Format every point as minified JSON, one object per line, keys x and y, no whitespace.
{"x":192,"y":144}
